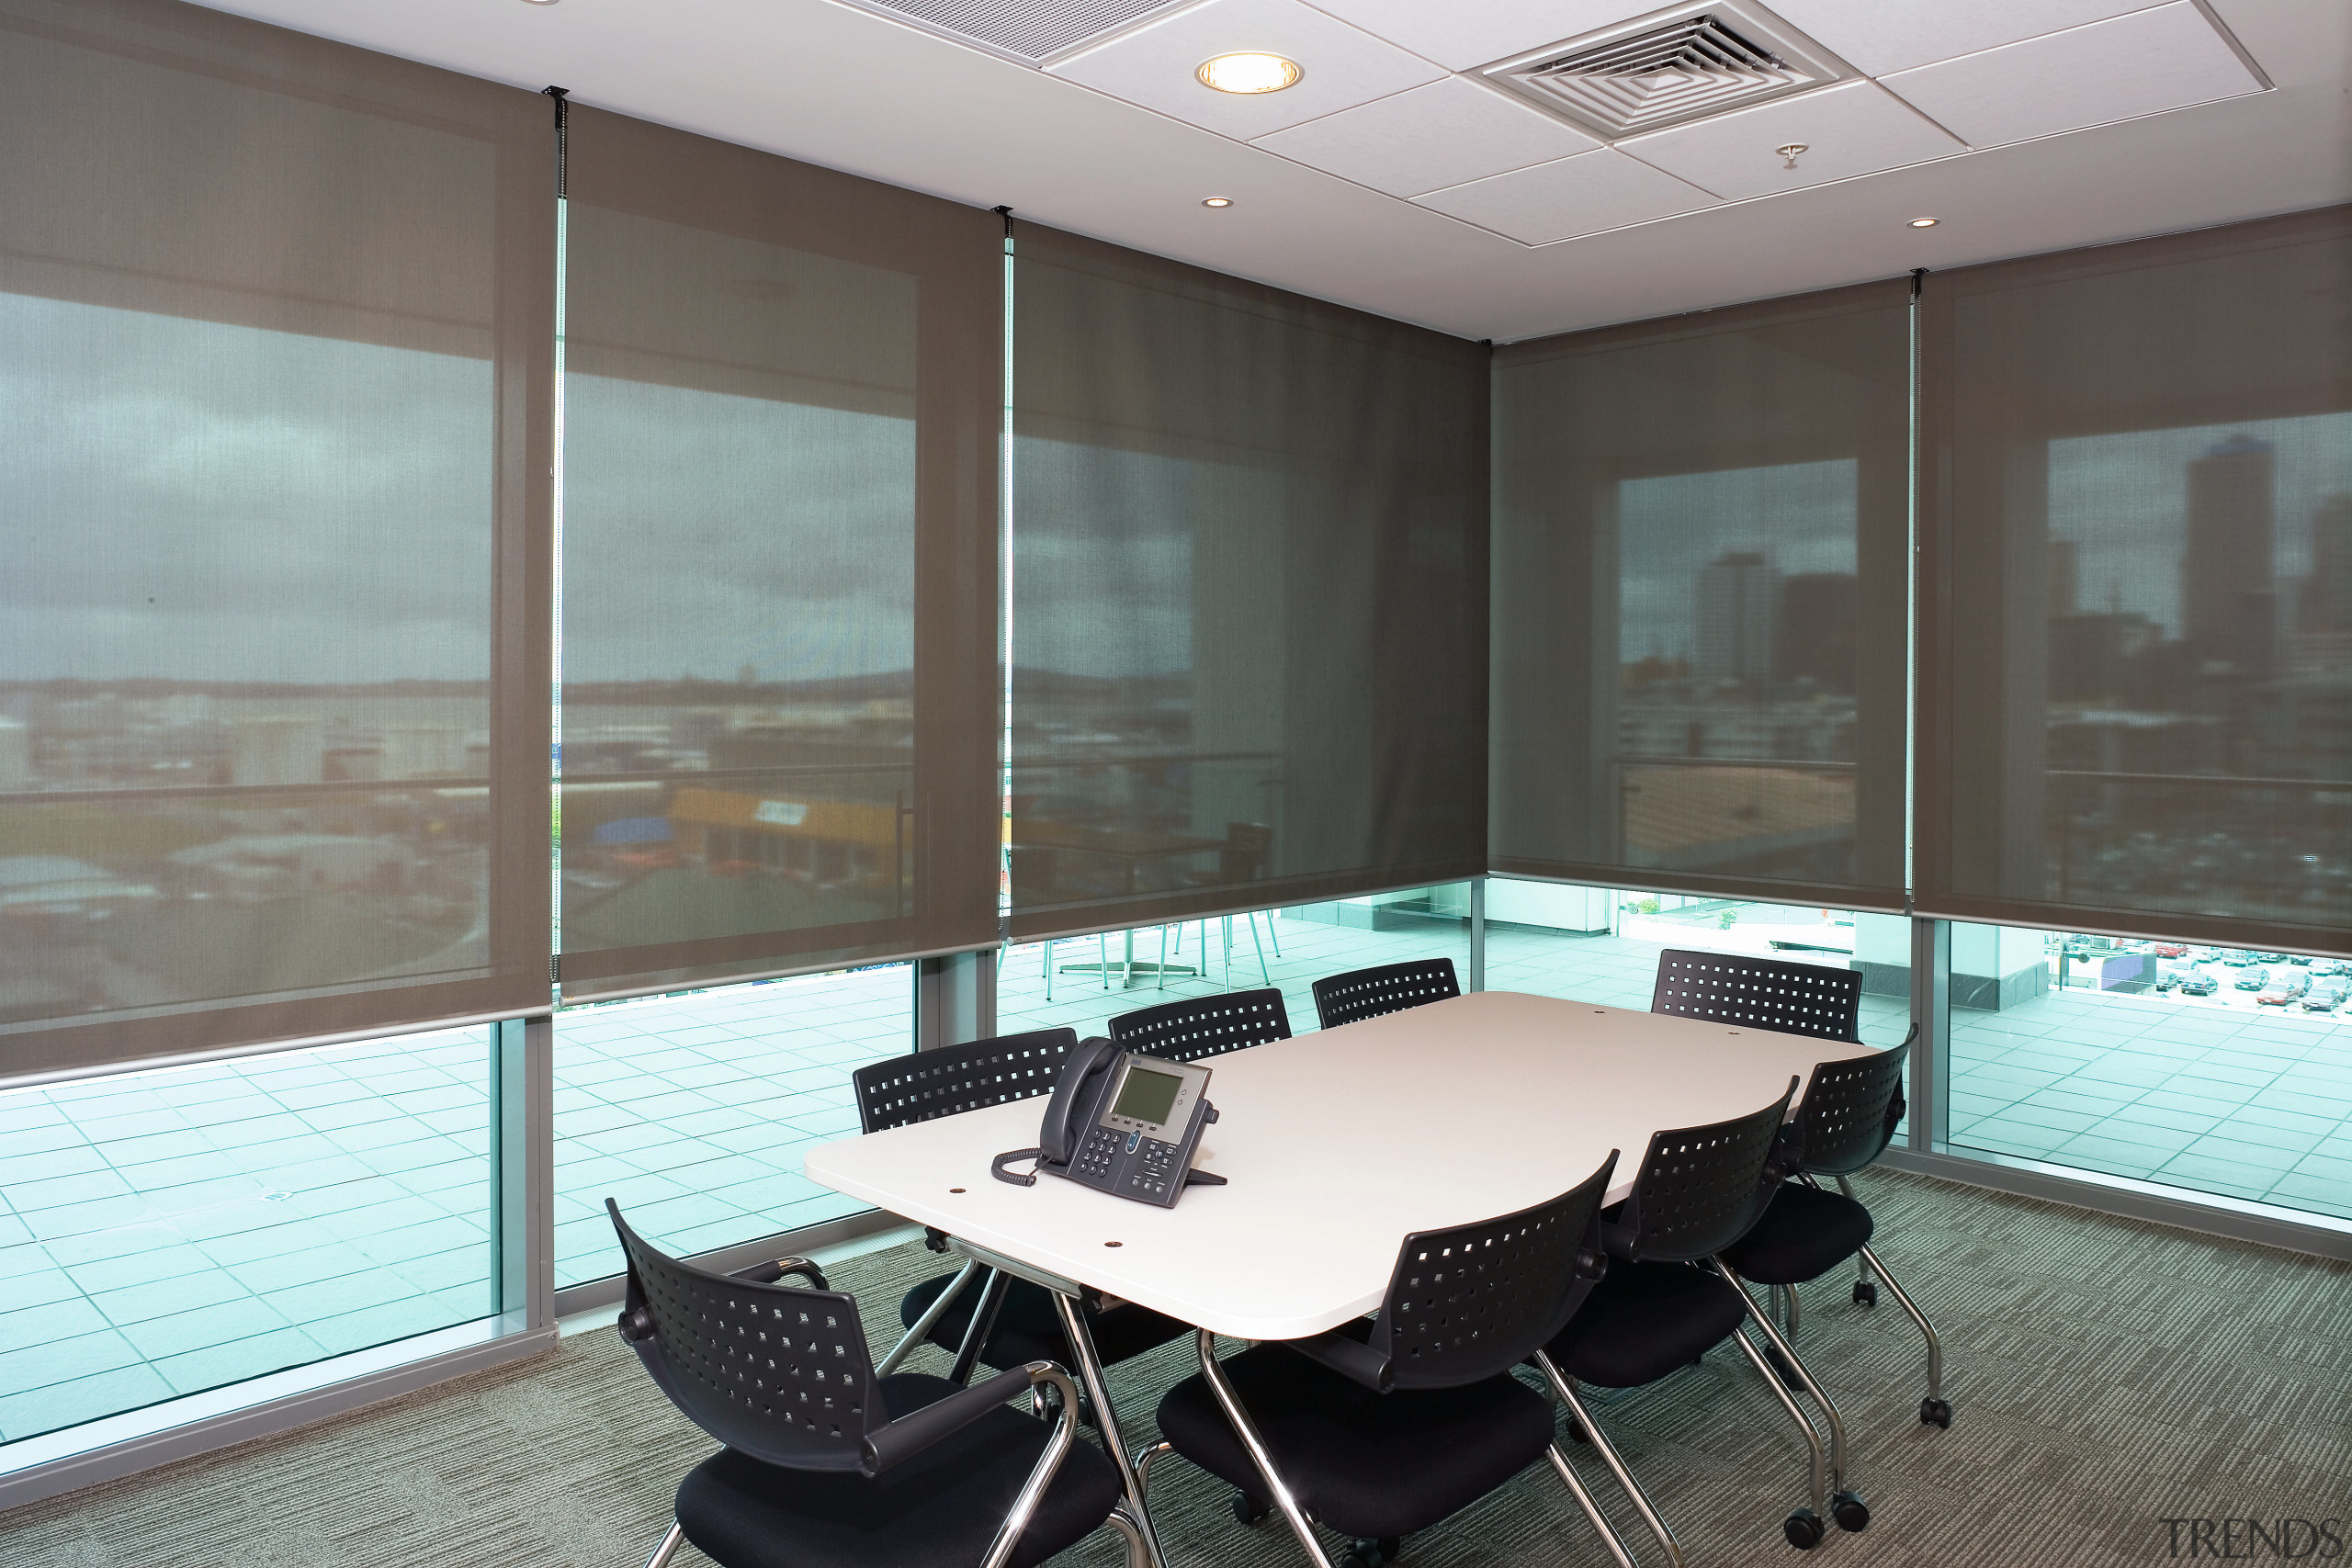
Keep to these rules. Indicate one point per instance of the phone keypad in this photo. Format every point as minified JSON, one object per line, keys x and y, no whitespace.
{"x":1094,"y":1156}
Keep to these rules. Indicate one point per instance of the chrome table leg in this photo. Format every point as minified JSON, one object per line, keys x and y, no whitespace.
{"x":1106,"y":1421}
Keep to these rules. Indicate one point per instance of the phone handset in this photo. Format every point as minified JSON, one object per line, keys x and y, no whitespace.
{"x":1127,"y":1123}
{"x":1082,"y":1071}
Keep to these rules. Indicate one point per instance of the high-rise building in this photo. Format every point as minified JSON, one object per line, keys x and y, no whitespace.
{"x":2329,"y":605}
{"x":2066,"y":577}
{"x":1817,"y":615}
{"x":2226,"y":574}
{"x":1738,"y":596}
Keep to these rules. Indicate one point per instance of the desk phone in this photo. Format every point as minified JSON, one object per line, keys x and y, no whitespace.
{"x":1128,"y":1124}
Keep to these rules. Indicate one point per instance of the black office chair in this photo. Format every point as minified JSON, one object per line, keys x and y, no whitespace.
{"x":1389,"y":1425}
{"x":1019,"y":1323}
{"x":828,"y":1463}
{"x":1368,"y":993}
{"x":1846,"y":1120}
{"x":1202,"y":1026}
{"x":1667,"y":1299}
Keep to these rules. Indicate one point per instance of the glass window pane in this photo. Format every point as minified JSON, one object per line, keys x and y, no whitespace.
{"x":1700,"y":588}
{"x":257,"y":491}
{"x":168,"y":1232}
{"x":690,"y":1111}
{"x":2141,"y":532}
{"x":2220,"y":1070}
{"x":1601,"y":945}
{"x":1290,"y":948}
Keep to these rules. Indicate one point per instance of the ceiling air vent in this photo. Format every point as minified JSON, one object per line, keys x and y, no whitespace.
{"x":1031,"y":31}
{"x":1670,"y":67}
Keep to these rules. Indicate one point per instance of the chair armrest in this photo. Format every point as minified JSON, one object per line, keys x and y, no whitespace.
{"x":769,"y":1273}
{"x":1346,"y":1355}
{"x":910,"y":1434}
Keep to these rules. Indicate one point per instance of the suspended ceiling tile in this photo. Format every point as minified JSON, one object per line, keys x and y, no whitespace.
{"x":1154,"y":66}
{"x":1856,"y":128}
{"x":2145,"y":64}
{"x":1444,"y":134}
{"x":1463,"y":33}
{"x":1559,"y":200}
{"x":1881,"y":36}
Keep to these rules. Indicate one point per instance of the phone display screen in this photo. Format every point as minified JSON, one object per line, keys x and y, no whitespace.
{"x":1146,"y":1096}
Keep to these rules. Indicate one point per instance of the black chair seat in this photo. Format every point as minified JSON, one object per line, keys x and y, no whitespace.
{"x":1805,"y":1233}
{"x":1643,"y":1320}
{"x":939,"y":1508}
{"x":1028,"y":1329}
{"x":1361,"y":1462}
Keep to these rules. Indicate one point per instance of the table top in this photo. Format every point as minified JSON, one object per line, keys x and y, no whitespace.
{"x":1337,"y":1144}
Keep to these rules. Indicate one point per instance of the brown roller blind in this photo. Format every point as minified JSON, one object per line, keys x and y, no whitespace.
{"x":1248,"y":617}
{"x":273,"y":565}
{"x":781,"y":413}
{"x":1700,"y":532}
{"x":2137,"y":693}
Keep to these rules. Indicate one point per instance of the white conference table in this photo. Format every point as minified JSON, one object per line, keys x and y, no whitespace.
{"x":1336,"y":1145}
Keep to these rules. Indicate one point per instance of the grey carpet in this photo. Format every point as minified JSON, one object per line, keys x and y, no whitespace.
{"x":2108,"y":1374}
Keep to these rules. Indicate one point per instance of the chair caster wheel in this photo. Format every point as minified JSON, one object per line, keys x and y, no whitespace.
{"x":1246,"y":1509}
{"x":1804,"y":1528}
{"x":1865,"y":1293}
{"x":1364,"y":1553}
{"x":1851,"y":1512}
{"x":1936,"y":1413}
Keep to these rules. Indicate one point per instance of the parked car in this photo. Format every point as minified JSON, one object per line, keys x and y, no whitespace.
{"x":2331,"y":967}
{"x":2284,"y":989}
{"x":2168,"y":980}
{"x":2270,"y":958}
{"x":2199,"y":985}
{"x":2237,"y":958}
{"x":2254,"y":979}
{"x":2170,"y":950}
{"x":2301,"y":960}
{"x":2325,"y":997}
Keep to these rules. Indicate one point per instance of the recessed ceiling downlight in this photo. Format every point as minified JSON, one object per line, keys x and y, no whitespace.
{"x":1249,"y":72}
{"x":1924,"y":223}
{"x":1218,"y":201}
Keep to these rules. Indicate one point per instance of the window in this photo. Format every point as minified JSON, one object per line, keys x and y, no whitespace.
{"x":2222,"y":1070}
{"x":1090,"y":980}
{"x":165,"y":1233}
{"x":1601,"y":945}
{"x":1701,"y":602}
{"x":690,"y":1111}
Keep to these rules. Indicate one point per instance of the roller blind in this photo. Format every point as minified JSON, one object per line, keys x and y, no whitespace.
{"x":273,"y":567}
{"x":1248,"y":605}
{"x":781,"y":401}
{"x":2137,"y":693}
{"x":1701,"y":534}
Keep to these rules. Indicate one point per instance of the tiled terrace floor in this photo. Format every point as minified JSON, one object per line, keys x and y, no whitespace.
{"x":691,"y":1111}
{"x":167,"y":1232}
{"x":2215,"y":1094}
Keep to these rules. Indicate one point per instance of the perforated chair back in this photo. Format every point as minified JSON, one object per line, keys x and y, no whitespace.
{"x":775,"y":1371}
{"x":1760,"y":993}
{"x":1700,"y":1189}
{"x":954,"y":1078}
{"x":1471,"y":1301}
{"x":1368,"y":993}
{"x":1202,"y":1026}
{"x":1850,"y":1109}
